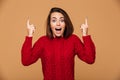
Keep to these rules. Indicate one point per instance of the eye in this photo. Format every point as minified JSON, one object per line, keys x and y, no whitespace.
{"x":53,"y":20}
{"x":62,"y":20}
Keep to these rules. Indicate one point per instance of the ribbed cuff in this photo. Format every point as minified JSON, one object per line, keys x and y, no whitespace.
{"x":28,"y":38}
{"x":87,"y":38}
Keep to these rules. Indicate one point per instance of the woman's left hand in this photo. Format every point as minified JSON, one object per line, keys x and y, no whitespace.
{"x":84,"y":28}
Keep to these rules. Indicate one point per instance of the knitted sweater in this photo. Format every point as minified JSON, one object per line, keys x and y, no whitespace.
{"x":57,"y":55}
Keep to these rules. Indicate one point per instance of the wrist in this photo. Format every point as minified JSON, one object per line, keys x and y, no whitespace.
{"x":30,"y":35}
{"x":84,"y":34}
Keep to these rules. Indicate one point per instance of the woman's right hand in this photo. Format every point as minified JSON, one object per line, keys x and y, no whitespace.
{"x":30,"y":28}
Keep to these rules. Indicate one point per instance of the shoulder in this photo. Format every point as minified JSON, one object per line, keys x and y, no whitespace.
{"x":43,"y":38}
{"x":74,"y":39}
{"x":74,"y":36}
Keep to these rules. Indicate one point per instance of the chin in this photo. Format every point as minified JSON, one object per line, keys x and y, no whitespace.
{"x":58,"y":35}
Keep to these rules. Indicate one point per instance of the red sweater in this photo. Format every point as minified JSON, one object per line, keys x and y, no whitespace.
{"x":57,"y":55}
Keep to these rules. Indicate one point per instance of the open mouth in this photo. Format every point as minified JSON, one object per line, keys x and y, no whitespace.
{"x":58,"y":29}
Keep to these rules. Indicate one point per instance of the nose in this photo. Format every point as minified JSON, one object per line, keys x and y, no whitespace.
{"x":58,"y":23}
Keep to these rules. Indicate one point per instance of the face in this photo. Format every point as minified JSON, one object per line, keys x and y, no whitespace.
{"x":57,"y":24}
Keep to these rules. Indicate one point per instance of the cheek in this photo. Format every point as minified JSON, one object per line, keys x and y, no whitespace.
{"x":52,"y":26}
{"x":53,"y":29}
{"x":63,"y":29}
{"x":63,"y":26}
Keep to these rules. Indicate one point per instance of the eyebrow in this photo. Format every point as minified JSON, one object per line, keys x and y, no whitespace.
{"x":56,"y":18}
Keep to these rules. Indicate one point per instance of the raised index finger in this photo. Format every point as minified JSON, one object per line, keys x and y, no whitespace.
{"x":28,"y":22}
{"x":86,"y":21}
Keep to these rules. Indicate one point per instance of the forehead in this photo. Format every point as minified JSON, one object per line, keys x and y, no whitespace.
{"x":57,"y":15}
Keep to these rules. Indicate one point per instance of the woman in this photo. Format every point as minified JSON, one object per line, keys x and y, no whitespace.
{"x":57,"y":49}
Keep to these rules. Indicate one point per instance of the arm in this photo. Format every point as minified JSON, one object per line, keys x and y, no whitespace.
{"x":30,"y":54}
{"x":85,"y":50}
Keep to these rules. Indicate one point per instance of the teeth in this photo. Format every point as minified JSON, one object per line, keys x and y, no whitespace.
{"x":57,"y":29}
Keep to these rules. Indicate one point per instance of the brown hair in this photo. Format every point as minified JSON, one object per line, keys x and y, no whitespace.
{"x":68,"y":24}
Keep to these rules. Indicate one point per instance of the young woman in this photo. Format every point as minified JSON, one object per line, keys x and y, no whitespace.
{"x":57,"y":49}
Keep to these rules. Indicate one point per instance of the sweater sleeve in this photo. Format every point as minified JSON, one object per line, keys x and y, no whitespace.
{"x":86,"y":50}
{"x":29,"y":54}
